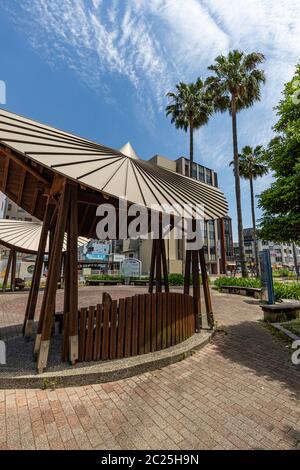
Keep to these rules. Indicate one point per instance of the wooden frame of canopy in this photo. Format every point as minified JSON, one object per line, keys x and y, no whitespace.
{"x":61,"y":178}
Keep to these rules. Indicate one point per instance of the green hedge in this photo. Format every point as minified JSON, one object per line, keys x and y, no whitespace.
{"x":281,"y":290}
{"x":237,"y":281}
{"x":103,"y":277}
{"x":174,"y":279}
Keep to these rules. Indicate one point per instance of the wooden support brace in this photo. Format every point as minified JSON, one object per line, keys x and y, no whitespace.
{"x":36,"y":279}
{"x":206,"y":290}
{"x":196,"y":290}
{"x":165,"y":266}
{"x":187,"y":272}
{"x":152,"y":266}
{"x":54,"y":268}
{"x":158,"y":283}
{"x":73,"y":276}
{"x":13,"y":270}
{"x":7,"y":271}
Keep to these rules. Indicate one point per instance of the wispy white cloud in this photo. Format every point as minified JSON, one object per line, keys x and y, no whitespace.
{"x":152,"y":44}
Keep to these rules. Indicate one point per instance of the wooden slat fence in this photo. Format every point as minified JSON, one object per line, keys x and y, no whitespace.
{"x":135,"y":325}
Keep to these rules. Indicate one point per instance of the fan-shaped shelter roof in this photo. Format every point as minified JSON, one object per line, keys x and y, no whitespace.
{"x":25,"y":236}
{"x":36,"y":154}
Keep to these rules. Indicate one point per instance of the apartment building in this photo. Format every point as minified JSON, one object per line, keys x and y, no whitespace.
{"x":282,"y":254}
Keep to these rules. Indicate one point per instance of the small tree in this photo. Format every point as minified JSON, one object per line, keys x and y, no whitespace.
{"x":281,"y":202}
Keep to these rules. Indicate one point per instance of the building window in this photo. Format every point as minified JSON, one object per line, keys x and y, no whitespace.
{"x":208,"y":176}
{"x":201,"y":173}
{"x":27,"y":219}
{"x":9,"y":207}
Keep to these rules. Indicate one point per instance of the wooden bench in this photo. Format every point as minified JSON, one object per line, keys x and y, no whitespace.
{"x":255,"y":292}
{"x":281,"y":312}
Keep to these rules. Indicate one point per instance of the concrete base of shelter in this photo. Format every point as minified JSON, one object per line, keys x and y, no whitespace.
{"x":20,"y":371}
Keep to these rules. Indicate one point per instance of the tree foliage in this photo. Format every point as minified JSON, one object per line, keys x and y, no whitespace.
{"x":281,"y":202}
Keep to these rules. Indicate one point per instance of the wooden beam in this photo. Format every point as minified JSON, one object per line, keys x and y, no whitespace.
{"x":54,"y":268}
{"x":4,"y":286}
{"x":21,"y":188}
{"x":8,"y":153}
{"x":36,"y":279}
{"x":83,"y":218}
{"x":6,"y":171}
{"x":206,"y":290}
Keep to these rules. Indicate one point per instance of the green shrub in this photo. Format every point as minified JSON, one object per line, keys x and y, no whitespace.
{"x":237,"y":281}
{"x":103,"y":277}
{"x":284,"y":272}
{"x":287,"y":291}
{"x":176,"y":279}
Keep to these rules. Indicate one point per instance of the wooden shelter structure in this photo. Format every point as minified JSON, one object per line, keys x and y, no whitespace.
{"x":61,"y":179}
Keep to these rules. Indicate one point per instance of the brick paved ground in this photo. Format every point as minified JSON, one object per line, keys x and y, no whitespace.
{"x":240,"y":392}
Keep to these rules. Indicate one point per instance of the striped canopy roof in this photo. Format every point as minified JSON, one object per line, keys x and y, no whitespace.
{"x":25,"y":236}
{"x":106,"y":170}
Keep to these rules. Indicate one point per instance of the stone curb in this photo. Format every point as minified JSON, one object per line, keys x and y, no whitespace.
{"x":108,"y":371}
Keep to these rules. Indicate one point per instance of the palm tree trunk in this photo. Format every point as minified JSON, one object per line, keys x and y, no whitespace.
{"x":191,"y":148}
{"x":238,"y":191}
{"x":254,"y":227}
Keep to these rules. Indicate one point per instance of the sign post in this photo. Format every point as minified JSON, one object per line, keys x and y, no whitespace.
{"x":266,"y":275}
{"x":131,"y":267}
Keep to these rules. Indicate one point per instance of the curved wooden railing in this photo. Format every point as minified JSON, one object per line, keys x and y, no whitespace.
{"x":135,"y":325}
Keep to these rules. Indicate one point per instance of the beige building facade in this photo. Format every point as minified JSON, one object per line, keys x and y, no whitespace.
{"x":218,"y":242}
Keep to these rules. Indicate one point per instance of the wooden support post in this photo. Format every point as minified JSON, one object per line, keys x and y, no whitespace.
{"x":165,"y":266}
{"x":73,"y":276}
{"x":223,"y":247}
{"x":42,"y":311}
{"x":196,"y":290}
{"x":13,"y":270}
{"x":65,"y":342}
{"x":206,"y":290}
{"x":7,"y":270}
{"x":187,"y":272}
{"x":36,"y":279}
{"x":152,"y":266}
{"x":54,"y":268}
{"x":158,"y":283}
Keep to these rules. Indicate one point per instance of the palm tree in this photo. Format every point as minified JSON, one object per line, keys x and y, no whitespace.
{"x":236,"y":86}
{"x":251,"y":168}
{"x":189,"y":108}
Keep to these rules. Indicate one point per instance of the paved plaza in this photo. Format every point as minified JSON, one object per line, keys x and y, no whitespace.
{"x":239,"y":392}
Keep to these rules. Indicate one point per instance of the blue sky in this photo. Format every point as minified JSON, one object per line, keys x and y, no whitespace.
{"x":101,"y":69}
